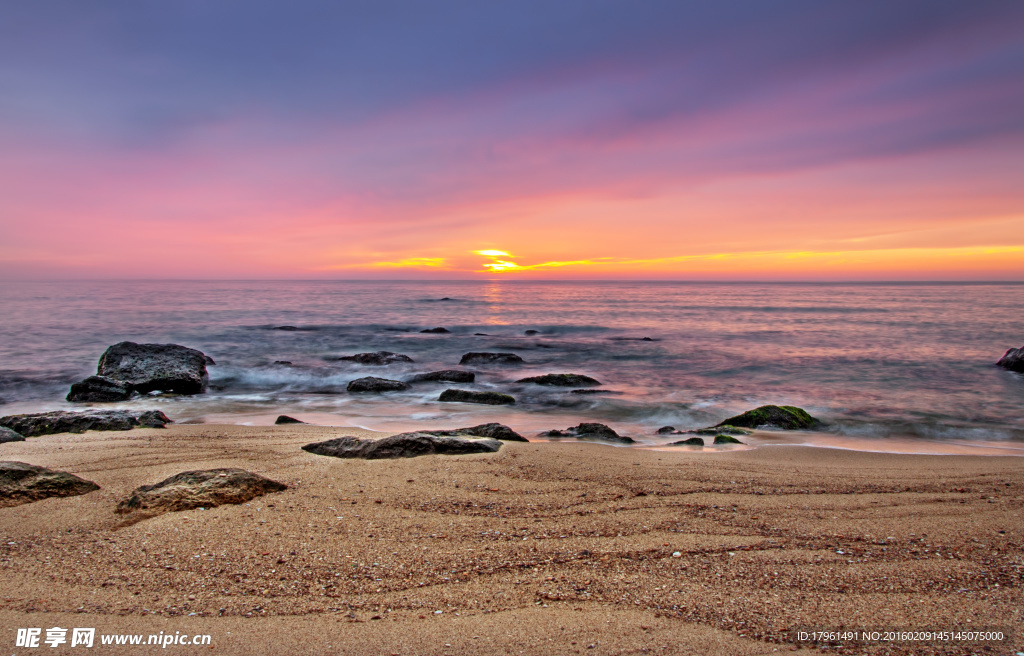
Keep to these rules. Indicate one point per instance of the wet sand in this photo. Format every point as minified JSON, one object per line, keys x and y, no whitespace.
{"x":552,"y":548}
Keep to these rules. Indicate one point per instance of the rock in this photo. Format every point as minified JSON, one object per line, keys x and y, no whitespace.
{"x":561,"y":380}
{"x":48,"y":423}
{"x":198,"y":489}
{"x":493,"y":430}
{"x":285,"y":419}
{"x":286,"y":328}
{"x":466,"y":396}
{"x":445,"y":375}
{"x":376,"y":358}
{"x":286,"y":363}
{"x":785,"y":417}
{"x":491,"y":358}
{"x":403,"y":445}
{"x":1013,"y":360}
{"x":590,"y":431}
{"x":150,"y":367}
{"x":7,"y":435}
{"x":99,"y":389}
{"x":481,"y":335}
{"x":693,"y":441}
{"x":531,"y":332}
{"x":439,"y":330}
{"x":722,"y":429}
{"x":665,"y":430}
{"x":23,"y":483}
{"x":726,"y":439}
{"x":376,"y":385}
{"x":593,"y":391}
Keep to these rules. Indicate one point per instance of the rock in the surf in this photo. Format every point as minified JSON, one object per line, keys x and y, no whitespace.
{"x":285,"y":419}
{"x":198,"y":489}
{"x":99,"y":389}
{"x":494,"y":430}
{"x":372,"y":384}
{"x":561,"y":380}
{"x":7,"y":435}
{"x":467,"y":396}
{"x":156,"y":367}
{"x":377,"y":358}
{"x":403,"y":445}
{"x":1013,"y":360}
{"x":590,"y":431}
{"x":692,"y":441}
{"x":784,"y":417}
{"x":491,"y":358}
{"x":48,"y":423}
{"x":666,"y":430}
{"x":723,"y":429}
{"x":445,"y":375}
{"x":439,"y":330}
{"x":23,"y":483}
{"x":726,"y":439}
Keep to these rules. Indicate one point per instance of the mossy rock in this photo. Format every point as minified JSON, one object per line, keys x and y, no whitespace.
{"x":726,"y":439}
{"x":783,"y":417}
{"x":723,"y":430}
{"x":693,"y":441}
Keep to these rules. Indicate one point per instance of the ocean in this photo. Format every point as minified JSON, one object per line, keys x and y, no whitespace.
{"x":889,"y":367}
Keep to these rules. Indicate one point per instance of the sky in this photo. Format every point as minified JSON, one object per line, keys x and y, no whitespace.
{"x":578,"y":139}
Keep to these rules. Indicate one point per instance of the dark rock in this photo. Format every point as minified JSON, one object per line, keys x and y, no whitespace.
{"x":561,"y":380}
{"x":593,"y":391}
{"x":481,"y":335}
{"x":376,"y":358}
{"x":23,"y":483}
{"x":493,"y":430}
{"x":99,"y":389}
{"x":445,"y":375}
{"x":446,"y":299}
{"x":590,"y":431}
{"x":466,"y":396}
{"x":7,"y":435}
{"x":664,"y":430}
{"x":198,"y":489}
{"x":632,"y":339}
{"x":531,"y":332}
{"x":722,"y":429}
{"x":374,"y":384}
{"x":726,"y":439}
{"x":438,"y":330}
{"x":1013,"y":360}
{"x":285,"y":419}
{"x":150,"y":367}
{"x":403,"y":445}
{"x":693,"y":441}
{"x":784,"y":417}
{"x":286,"y":328}
{"x":286,"y":363}
{"x":491,"y":358}
{"x":48,"y":423}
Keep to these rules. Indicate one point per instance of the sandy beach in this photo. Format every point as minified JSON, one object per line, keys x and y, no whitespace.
{"x":542,"y":548}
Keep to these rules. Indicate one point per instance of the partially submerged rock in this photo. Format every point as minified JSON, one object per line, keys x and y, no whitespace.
{"x":693,"y":441}
{"x":48,"y":423}
{"x":590,"y":431}
{"x":23,"y":483}
{"x":783,"y":417}
{"x":491,"y":358}
{"x":445,"y":375}
{"x":531,"y":332}
{"x":561,"y":380}
{"x":377,"y":358}
{"x":376,"y":385}
{"x":467,"y":396}
{"x":666,"y":430}
{"x":722,"y":429}
{"x":285,"y":419}
{"x":494,"y":430}
{"x":439,"y":330}
{"x":156,"y":367}
{"x":99,"y":389}
{"x":198,"y":489}
{"x":403,"y":445}
{"x":1013,"y":360}
{"x":7,"y":435}
{"x":726,"y":439}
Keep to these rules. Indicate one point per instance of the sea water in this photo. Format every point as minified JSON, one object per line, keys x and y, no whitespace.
{"x":881,"y":364}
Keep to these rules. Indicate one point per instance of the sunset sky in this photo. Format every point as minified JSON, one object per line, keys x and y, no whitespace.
{"x":810,"y":140}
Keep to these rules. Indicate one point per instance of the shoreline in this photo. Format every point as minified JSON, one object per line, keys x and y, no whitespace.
{"x":536,"y":547}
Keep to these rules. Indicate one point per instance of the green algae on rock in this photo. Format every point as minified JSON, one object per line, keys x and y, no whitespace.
{"x":784,"y":417}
